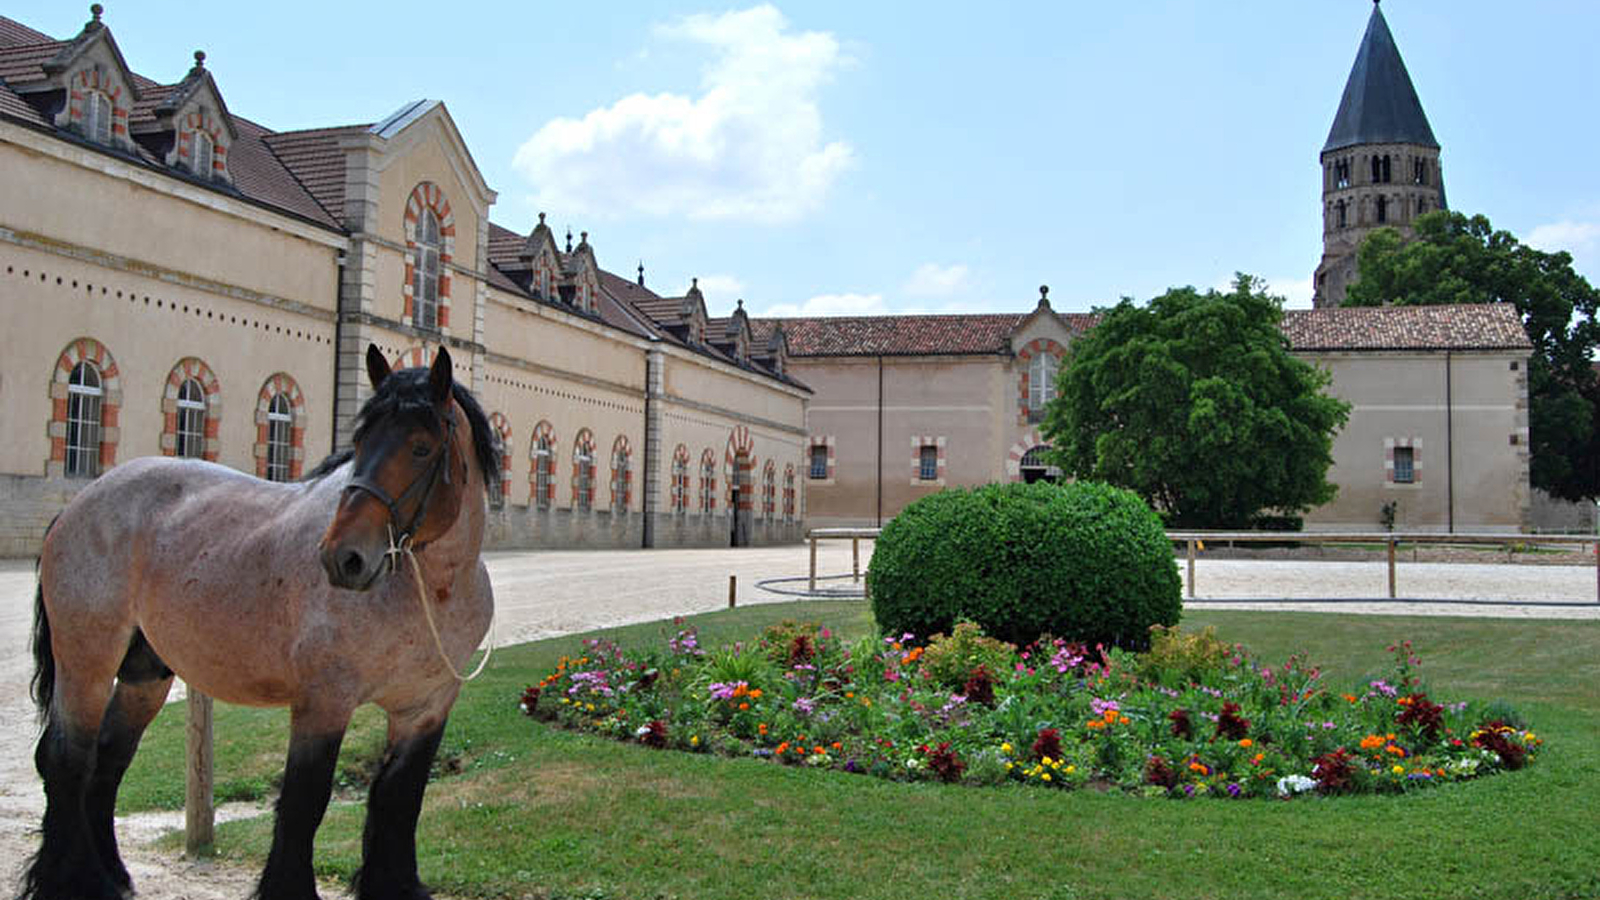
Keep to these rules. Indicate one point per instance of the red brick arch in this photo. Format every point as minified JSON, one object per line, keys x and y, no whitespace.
{"x":788,"y":492}
{"x":190,"y":367}
{"x":413,"y":357}
{"x":1025,"y":358}
{"x":738,"y":462}
{"x":96,"y":78}
{"x":427,"y":195}
{"x":281,"y":383}
{"x":583,"y":445}
{"x":708,"y":483}
{"x":548,"y":432}
{"x":197,"y":121}
{"x":84,"y":349}
{"x":769,"y":490}
{"x":680,"y":479}
{"x":621,"y":473}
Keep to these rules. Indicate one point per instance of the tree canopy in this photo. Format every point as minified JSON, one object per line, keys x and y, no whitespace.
{"x":1194,"y":403}
{"x":1459,"y":259}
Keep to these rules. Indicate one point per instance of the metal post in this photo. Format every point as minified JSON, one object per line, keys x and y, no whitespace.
{"x":1391,"y":568}
{"x":733,"y":589}
{"x":855,"y":559}
{"x":1191,"y":568}
{"x":199,"y":803}
{"x":813,"y":588}
{"x":1597,"y":571}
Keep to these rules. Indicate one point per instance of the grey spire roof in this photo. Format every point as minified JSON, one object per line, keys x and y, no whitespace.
{"x":1379,"y":106}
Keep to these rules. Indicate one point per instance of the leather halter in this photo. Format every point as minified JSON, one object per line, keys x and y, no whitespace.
{"x":401,"y":537}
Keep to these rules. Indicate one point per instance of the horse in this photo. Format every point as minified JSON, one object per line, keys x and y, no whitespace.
{"x":164,"y":566}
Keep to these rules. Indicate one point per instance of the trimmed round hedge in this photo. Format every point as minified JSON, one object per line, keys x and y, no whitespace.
{"x":1082,"y":561}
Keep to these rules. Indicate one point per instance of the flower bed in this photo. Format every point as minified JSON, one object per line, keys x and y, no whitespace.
{"x":1191,"y":717}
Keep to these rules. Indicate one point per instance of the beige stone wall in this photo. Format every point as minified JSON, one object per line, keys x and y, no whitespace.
{"x":1471,"y":453}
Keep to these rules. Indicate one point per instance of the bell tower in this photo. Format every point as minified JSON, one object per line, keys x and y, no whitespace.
{"x":1380,"y":165}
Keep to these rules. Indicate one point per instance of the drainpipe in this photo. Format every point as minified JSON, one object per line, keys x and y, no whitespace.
{"x":651,"y":483}
{"x":1449,"y":447}
{"x":880,"y":441}
{"x":338,"y":346}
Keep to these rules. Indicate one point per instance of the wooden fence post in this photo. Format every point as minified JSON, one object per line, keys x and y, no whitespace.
{"x":733,"y":588}
{"x":199,"y":809}
{"x":813,"y":587}
{"x":1391,"y":568}
{"x":855,"y":560}
{"x":1191,"y":568}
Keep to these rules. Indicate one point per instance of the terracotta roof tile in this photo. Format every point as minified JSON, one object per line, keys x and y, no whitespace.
{"x":1487,"y":326}
{"x":259,"y":174}
{"x":313,"y":157}
{"x":504,"y":245}
{"x":16,"y":34}
{"x":897,"y":335}
{"x":661,"y":310}
{"x":25,"y":64}
{"x":18,"y":108}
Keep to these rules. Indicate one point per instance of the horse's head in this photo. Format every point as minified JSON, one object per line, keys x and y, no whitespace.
{"x":409,"y":472}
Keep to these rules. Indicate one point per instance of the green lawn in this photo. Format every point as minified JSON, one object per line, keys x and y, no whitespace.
{"x":525,"y":810}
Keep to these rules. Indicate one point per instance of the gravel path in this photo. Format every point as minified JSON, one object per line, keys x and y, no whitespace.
{"x":551,"y":593}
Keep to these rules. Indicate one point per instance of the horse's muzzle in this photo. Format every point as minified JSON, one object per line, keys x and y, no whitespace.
{"x":350,"y":568}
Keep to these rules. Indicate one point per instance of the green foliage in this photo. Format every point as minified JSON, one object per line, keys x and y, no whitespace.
{"x":1194,"y":403}
{"x":1461,"y":259}
{"x":1180,"y":658}
{"x":790,"y":642}
{"x":1084,"y":561}
{"x":951,"y":658}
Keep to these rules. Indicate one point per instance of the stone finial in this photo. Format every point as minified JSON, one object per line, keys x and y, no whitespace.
{"x":694,"y":284}
{"x":95,"y":10}
{"x":641,"y":273}
{"x":199,"y":59}
{"x":1044,"y":295}
{"x":583,"y":237}
{"x":569,"y":238}
{"x":541,"y":218}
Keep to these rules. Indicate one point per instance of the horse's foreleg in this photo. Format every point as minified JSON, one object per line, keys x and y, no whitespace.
{"x":389,"y":842}
{"x":307,"y":785}
{"x":133,"y":705}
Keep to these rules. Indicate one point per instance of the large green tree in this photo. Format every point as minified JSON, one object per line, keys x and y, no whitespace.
{"x":1194,"y":403}
{"x":1460,"y":259}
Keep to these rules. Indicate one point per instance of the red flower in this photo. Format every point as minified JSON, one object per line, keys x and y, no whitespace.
{"x":1158,"y":772}
{"x":1048,"y":743}
{"x":1181,"y":726}
{"x":1229,"y":723}
{"x":980,"y":686}
{"x":1332,"y":772}
{"x":946,"y":763}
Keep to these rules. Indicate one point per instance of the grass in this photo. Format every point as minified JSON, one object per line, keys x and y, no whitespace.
{"x":537,"y":812}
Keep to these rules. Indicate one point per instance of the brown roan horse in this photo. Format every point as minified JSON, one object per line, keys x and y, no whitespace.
{"x":267,"y":595}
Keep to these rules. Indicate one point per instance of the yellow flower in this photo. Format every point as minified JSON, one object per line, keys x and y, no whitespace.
{"x":694,"y":741}
{"x":1071,"y":769}
{"x":1046,"y":760}
{"x":1398,"y":770}
{"x":589,"y":707}
{"x":1045,"y":776}
{"x":566,"y":699}
{"x":1005,"y":748}
{"x":1009,"y":766}
{"x":1056,"y":764}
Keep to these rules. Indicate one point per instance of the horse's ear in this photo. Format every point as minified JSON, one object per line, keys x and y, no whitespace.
{"x":377,"y":366}
{"x":439,"y":378}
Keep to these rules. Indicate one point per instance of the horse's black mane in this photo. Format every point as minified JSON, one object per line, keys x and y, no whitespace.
{"x":406,"y":393}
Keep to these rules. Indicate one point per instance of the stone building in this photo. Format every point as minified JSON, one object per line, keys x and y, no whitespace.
{"x":177,"y":279}
{"x":907,"y":405}
{"x":1380,"y":165}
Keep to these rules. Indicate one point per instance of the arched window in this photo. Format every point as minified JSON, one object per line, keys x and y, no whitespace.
{"x":1386,"y":172}
{"x":1340,"y":206}
{"x":97,"y":117}
{"x":500,"y":488}
{"x":621,"y":475}
{"x":680,"y":480}
{"x":708,"y":481}
{"x":769,"y":491}
{"x":280,"y":448}
{"x":544,"y":471}
{"x":204,"y":151}
{"x":583,"y":471}
{"x":1035,"y":466}
{"x":1041,"y":384}
{"x":84,"y":397}
{"x":1383,"y":209}
{"x":191,"y":432}
{"x":425,"y":276}
{"x":788,"y":493}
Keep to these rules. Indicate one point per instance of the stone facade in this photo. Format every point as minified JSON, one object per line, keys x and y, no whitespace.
{"x":186,"y":281}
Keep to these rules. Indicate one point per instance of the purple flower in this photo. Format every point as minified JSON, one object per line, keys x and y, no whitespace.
{"x":724,"y":691}
{"x":1099,"y":707}
{"x":804,"y":705}
{"x":1234,"y":790}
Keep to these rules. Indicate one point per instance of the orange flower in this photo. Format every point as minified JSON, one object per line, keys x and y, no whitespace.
{"x":762,"y":728}
{"x":1246,"y":742}
{"x":782,"y":748}
{"x":837,"y":745}
{"x":1371,"y":742}
{"x":1256,"y":760}
{"x":1352,"y":698}
{"x":743,"y":707}
{"x":1095,"y":723}
{"x":755,"y":694}
{"x":849,"y":695}
{"x":818,"y":749}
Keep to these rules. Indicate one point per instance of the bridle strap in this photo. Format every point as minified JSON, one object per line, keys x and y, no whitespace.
{"x":400,"y":537}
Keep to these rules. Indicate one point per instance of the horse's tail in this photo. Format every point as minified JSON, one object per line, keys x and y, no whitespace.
{"x":43,"y":685}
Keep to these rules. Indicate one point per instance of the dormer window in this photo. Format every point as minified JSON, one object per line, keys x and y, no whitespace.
{"x":425,"y":276}
{"x":204,"y":153}
{"x":1041,"y":385}
{"x":97,"y":117}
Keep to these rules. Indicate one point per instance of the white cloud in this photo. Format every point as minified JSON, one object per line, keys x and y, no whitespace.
{"x":749,"y":147}
{"x":830,"y":305}
{"x":720,"y":291}
{"x":1296,"y":292}
{"x":932,"y":280}
{"x":1581,"y":239}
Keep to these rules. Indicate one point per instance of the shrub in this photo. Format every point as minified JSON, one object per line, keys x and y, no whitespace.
{"x":1084,"y":561}
{"x":1176,"y":659}
{"x":952,"y":659}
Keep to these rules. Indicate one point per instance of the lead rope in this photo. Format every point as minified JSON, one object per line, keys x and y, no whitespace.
{"x":403,"y":548}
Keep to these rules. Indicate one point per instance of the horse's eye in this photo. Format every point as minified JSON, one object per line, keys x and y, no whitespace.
{"x":420,"y":450}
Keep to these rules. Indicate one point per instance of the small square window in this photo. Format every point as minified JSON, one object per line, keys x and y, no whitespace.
{"x":928,"y":463}
{"x":819,"y":461}
{"x":1405,"y":471}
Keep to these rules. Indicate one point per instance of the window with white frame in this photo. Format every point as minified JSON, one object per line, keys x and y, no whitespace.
{"x":1041,"y":384}
{"x":788,"y":494}
{"x":191,"y":433}
{"x":928,"y":462}
{"x":708,"y":482}
{"x":425,"y":275}
{"x":680,"y":484}
{"x":280,"y":426}
{"x":1405,"y":468}
{"x":85,"y":395}
{"x":544,"y":470}
{"x":819,"y":461}
{"x":619,"y":479}
{"x":585,"y":493}
{"x":204,"y":152}
{"x":97,"y":117}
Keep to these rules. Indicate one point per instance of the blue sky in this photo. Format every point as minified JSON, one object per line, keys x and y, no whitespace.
{"x":847,"y":157}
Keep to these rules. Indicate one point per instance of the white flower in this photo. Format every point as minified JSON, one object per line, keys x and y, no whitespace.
{"x":1295,"y":784}
{"x":641,"y":731}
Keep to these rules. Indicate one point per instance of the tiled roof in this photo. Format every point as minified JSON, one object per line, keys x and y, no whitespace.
{"x":504,"y":246}
{"x":894,"y":335}
{"x":314,"y":158}
{"x":662,"y":310}
{"x":1379,"y":105}
{"x":1485,"y":326}
{"x":25,"y":64}
{"x":15,"y":34}
{"x":261,"y":175}
{"x":17,"y":108}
